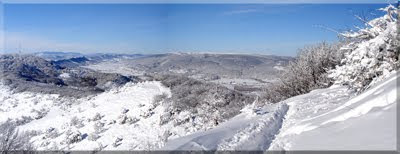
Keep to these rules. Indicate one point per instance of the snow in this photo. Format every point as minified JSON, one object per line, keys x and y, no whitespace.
{"x":371,"y":54}
{"x":128,"y":118}
{"x":251,"y":130}
{"x":334,"y":118}
{"x":65,"y":75}
{"x":364,"y":122}
{"x":279,"y":68}
{"x":231,"y":82}
{"x":120,"y":67}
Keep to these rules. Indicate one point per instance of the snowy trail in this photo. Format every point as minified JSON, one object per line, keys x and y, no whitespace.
{"x":257,"y":135}
{"x":250,"y":130}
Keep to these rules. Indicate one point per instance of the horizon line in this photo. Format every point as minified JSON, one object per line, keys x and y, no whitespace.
{"x":197,"y":2}
{"x":139,"y":53}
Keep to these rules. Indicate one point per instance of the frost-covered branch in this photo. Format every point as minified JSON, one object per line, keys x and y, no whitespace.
{"x":372,"y":52}
{"x":11,"y":139}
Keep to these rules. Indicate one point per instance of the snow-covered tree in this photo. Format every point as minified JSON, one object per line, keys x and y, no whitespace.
{"x":307,"y":72}
{"x":11,"y":139}
{"x":372,"y":51}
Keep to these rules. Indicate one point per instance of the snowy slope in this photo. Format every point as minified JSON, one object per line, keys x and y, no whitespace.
{"x":127,"y":118}
{"x":324,"y":119}
{"x":364,"y":122}
{"x":124,"y":118}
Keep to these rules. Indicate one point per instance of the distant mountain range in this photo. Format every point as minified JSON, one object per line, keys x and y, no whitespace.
{"x":197,"y":65}
{"x":50,"y":55}
{"x":55,"y":56}
{"x":209,"y":65}
{"x":32,"y":73}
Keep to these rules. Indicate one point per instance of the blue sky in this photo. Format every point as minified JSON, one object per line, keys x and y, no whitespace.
{"x":156,"y":28}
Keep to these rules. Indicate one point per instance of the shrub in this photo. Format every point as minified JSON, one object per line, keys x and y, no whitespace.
{"x":93,"y":136}
{"x":76,"y":122}
{"x":96,"y":117}
{"x":117,"y":141}
{"x":206,"y":101}
{"x":72,"y":136}
{"x":372,"y":52}
{"x":11,"y":139}
{"x":159,"y":98}
{"x":98,"y":127}
{"x":51,"y":133}
{"x":307,"y":72}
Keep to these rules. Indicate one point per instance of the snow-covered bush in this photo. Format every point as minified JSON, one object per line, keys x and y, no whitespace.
{"x":371,"y":52}
{"x":159,"y":98}
{"x":125,"y":119}
{"x":23,"y":120}
{"x":307,"y":72}
{"x":98,"y":127}
{"x":51,"y":133}
{"x":93,"y":136}
{"x":117,"y":141}
{"x":124,"y":110}
{"x":96,"y":117}
{"x":76,"y":122}
{"x":72,"y":136}
{"x":166,"y":116}
{"x":122,"y":119}
{"x":37,"y":114}
{"x":11,"y":139}
{"x":195,"y":102}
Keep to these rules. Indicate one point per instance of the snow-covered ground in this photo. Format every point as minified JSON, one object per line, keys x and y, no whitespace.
{"x":124,"y":118}
{"x":326,"y":119}
{"x":119,"y":67}
{"x":254,"y":129}
{"x":127,"y":118}
{"x":332,"y":122}
{"x":279,"y":68}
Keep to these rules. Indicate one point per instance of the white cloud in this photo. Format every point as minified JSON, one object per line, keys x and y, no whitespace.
{"x":243,"y":11}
